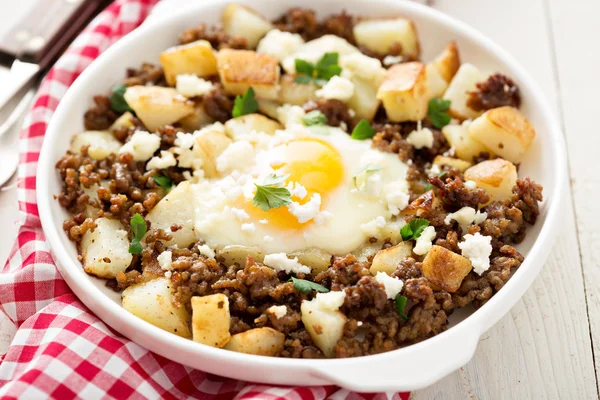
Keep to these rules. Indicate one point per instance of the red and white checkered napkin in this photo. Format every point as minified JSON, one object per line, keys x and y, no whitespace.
{"x":61,"y":350}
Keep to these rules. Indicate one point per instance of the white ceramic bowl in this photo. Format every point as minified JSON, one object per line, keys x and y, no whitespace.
{"x":408,"y":368}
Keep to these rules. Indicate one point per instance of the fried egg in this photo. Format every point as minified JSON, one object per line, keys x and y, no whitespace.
{"x":343,"y":192}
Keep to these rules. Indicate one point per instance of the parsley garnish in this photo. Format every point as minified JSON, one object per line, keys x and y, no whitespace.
{"x":414,"y":229}
{"x":363,"y":130}
{"x":326,"y":68}
{"x":304,"y":286}
{"x":361,"y":179}
{"x":437,"y":112}
{"x":270,"y":195}
{"x":400,"y":304}
{"x":163,"y":181}
{"x":245,"y":104}
{"x":138,"y":230}
{"x":440,"y":175}
{"x":117,"y":99}
{"x":314,"y":117}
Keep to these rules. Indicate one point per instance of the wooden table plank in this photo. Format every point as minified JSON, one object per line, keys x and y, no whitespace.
{"x":575,"y":35}
{"x":542,"y":349}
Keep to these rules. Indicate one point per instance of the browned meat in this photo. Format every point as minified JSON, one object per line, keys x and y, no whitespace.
{"x":336,"y":112}
{"x":216,"y":36}
{"x":217,"y":104}
{"x":497,"y":91}
{"x":147,"y":74}
{"x":99,"y":117}
{"x":341,"y":25}
{"x":299,"y":20}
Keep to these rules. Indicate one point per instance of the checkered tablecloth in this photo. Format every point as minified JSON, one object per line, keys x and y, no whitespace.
{"x":61,"y":350}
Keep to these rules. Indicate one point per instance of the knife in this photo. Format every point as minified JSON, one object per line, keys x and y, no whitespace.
{"x":39,"y":38}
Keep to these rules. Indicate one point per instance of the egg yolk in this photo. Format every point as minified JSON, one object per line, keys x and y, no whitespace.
{"x":314,"y":164}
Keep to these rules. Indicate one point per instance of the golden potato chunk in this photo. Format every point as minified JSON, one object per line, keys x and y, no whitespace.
{"x":445,"y":269}
{"x":157,"y":106}
{"x":463,"y":82}
{"x":316,"y":259}
{"x":465,"y":147}
{"x":269,"y":107}
{"x":251,"y":123}
{"x":209,"y":146}
{"x":324,"y":326}
{"x":123,"y":122}
{"x":152,"y":301}
{"x":456,"y":163}
{"x":364,"y":101}
{"x":387,"y":260}
{"x":437,"y":84}
{"x":504,"y":131}
{"x":379,"y":35}
{"x":211,"y":320}
{"x":448,"y":62}
{"x":196,"y":58}
{"x":497,"y":177}
{"x":197,"y":119}
{"x":295,"y":93}
{"x":105,"y":250}
{"x":258,"y":341}
{"x":404,"y":92}
{"x":241,"y":69}
{"x":237,"y":254}
{"x":100,"y":144}
{"x":243,"y":21}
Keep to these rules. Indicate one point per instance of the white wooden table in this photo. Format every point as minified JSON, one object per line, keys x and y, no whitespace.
{"x":544,"y":348}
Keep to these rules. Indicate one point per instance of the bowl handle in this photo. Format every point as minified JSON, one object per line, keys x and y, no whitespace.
{"x":410,"y":368}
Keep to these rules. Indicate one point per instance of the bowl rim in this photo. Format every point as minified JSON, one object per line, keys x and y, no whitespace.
{"x":476,"y":323}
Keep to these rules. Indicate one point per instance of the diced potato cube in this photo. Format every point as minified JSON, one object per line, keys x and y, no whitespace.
{"x":101,"y":144}
{"x":251,"y":122}
{"x":456,"y":163}
{"x":404,"y":92}
{"x":448,"y":62}
{"x":197,"y":119}
{"x":196,"y":58}
{"x":465,"y":147}
{"x":211,"y":320}
{"x":463,"y":82}
{"x":504,"y":131}
{"x":295,"y":93}
{"x":157,"y":106}
{"x":325,"y":327}
{"x":318,"y":260}
{"x":257,"y":341}
{"x":243,"y":21}
{"x":366,"y":251}
{"x":387,"y":260}
{"x":125,"y":121}
{"x":497,"y":177}
{"x":241,"y":69}
{"x":445,"y":269}
{"x":379,"y":35}
{"x":423,"y":205}
{"x":153,"y":302}
{"x":177,"y":207}
{"x":105,"y":250}
{"x":237,"y":254}
{"x":209,"y":147}
{"x":364,"y":101}
{"x":437,"y":84}
{"x":268,"y":107}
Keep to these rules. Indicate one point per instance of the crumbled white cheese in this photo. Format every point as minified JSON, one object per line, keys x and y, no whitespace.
{"x":278,"y":311}
{"x":186,"y":158}
{"x":323,"y":217}
{"x":466,"y":216}
{"x":362,"y":66}
{"x":420,"y":138}
{"x":336,"y":88}
{"x":396,"y":196}
{"x":165,"y":161}
{"x":239,"y":214}
{"x":165,"y":260}
{"x":141,"y":145}
{"x":297,"y":190}
{"x":392,"y":285}
{"x":423,"y":243}
{"x":214,"y":127}
{"x":236,"y":156}
{"x":191,"y":86}
{"x":434,"y":170}
{"x":307,"y":211}
{"x":330,"y":301}
{"x":289,"y":115}
{"x":280,"y":44}
{"x":280,"y":262}
{"x":359,"y":323}
{"x":206,"y":251}
{"x":184,"y":140}
{"x":470,"y":185}
{"x":249,"y":228}
{"x":477,"y":248}
{"x":373,"y":227}
{"x":391,"y":60}
{"x":268,"y":239}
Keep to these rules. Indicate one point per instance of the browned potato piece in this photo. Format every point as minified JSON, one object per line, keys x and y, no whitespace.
{"x":243,"y":21}
{"x":209,"y":147}
{"x":466,"y":148}
{"x":448,"y":62}
{"x":459,"y":164}
{"x":269,"y":107}
{"x":379,"y":35}
{"x":241,"y":69}
{"x":504,"y":131}
{"x":404,"y":92}
{"x":464,"y":81}
{"x":445,"y":269}
{"x":197,"y":119}
{"x":258,"y":341}
{"x":157,"y":106}
{"x":250,"y":122}
{"x":195,"y":58}
{"x":211,"y":320}
{"x":423,"y":205}
{"x":497,"y":177}
{"x":325,"y":327}
{"x":295,"y":93}
{"x":387,"y":260}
